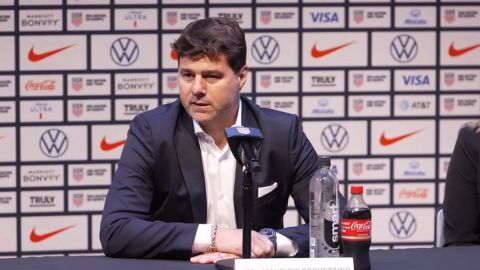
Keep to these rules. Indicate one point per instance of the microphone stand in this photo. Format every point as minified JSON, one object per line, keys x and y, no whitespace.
{"x":250,"y":167}
{"x":247,"y":196}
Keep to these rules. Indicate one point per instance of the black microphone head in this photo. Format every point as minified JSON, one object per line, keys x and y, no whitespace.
{"x":238,"y":136}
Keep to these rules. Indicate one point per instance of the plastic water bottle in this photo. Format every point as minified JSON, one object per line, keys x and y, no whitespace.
{"x":324,"y":212}
{"x":356,"y":230}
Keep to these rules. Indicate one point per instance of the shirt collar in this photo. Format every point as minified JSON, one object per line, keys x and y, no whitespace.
{"x":238,"y":122}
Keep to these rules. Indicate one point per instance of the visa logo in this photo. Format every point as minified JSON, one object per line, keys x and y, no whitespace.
{"x":416,"y":80}
{"x":325,"y":17}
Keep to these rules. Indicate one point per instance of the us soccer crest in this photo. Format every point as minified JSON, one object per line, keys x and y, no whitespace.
{"x":77,"y":109}
{"x":78,"y":199}
{"x":449,"y":78}
{"x":358,"y":16}
{"x":77,"y":18}
{"x":449,"y":104}
{"x":172,"y":17}
{"x":78,"y":174}
{"x":266,"y":16}
{"x":77,"y":83}
{"x":358,"y":105}
{"x":266,"y":81}
{"x":358,"y":168}
{"x":172,"y":82}
{"x":450,"y":15}
{"x":358,"y":79}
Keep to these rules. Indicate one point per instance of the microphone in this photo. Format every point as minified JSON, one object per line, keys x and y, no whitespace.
{"x":244,"y":143}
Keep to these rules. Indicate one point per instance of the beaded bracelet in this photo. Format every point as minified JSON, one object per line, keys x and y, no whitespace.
{"x":213,"y":247}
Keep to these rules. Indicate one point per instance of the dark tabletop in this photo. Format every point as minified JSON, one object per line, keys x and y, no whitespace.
{"x":456,"y":258}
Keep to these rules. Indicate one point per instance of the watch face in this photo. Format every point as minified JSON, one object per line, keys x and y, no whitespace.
{"x":271,"y":235}
{"x":267,"y":232}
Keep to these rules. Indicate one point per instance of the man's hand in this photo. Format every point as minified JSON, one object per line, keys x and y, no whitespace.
{"x":230,"y":241}
{"x":212,"y":257}
{"x":229,"y":246}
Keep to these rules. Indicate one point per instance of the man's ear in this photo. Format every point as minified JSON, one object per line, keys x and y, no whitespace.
{"x":242,"y":75}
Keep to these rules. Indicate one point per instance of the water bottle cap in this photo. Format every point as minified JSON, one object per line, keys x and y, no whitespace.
{"x":324,"y":161}
{"x":356,"y":189}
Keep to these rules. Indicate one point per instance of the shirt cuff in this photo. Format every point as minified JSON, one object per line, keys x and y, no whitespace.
{"x":203,"y":238}
{"x":285,"y":246}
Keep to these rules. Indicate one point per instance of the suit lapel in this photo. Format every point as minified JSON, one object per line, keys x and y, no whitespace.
{"x":190,"y":159}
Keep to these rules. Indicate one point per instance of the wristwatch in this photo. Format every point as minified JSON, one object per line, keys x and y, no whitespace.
{"x":271,"y":234}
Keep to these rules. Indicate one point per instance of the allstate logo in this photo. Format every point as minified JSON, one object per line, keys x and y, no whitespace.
{"x":265,"y":49}
{"x":403,"y":48}
{"x":402,"y":225}
{"x":53,"y":143}
{"x":124,"y":51}
{"x":334,"y":138}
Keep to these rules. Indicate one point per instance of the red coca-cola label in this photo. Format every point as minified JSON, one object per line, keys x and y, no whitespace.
{"x":356,"y":229}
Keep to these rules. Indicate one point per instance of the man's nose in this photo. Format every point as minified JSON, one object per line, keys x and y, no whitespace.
{"x":198,"y":86}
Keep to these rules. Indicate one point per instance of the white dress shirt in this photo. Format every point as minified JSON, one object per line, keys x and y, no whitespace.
{"x":219,"y":166}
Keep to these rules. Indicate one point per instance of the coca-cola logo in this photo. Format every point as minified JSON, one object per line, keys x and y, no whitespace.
{"x":418,"y":193}
{"x":45,"y":85}
{"x":361,"y":226}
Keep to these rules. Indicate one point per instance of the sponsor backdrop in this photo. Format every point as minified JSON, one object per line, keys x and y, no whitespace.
{"x":381,"y":85}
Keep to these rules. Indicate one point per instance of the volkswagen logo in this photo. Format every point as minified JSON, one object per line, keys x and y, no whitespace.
{"x":402,"y":225}
{"x":334,"y":138}
{"x":265,"y":49}
{"x":403,"y":48}
{"x":124,"y":51}
{"x":53,"y":143}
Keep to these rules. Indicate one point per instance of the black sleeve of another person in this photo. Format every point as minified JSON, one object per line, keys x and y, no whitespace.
{"x":462,"y":190}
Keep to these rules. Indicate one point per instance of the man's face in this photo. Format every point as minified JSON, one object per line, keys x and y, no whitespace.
{"x":210,"y":89}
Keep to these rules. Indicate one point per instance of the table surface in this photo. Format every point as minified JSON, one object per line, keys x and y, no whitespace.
{"x":456,"y":258}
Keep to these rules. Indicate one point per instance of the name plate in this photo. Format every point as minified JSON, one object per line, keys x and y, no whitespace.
{"x":295,"y":264}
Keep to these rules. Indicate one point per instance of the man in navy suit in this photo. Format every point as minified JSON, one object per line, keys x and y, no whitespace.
{"x":177,"y":190}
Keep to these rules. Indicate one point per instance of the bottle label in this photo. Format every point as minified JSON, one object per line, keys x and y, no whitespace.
{"x":331,"y":225}
{"x":356,"y":229}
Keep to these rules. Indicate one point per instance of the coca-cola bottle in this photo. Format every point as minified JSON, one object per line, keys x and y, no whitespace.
{"x":324,"y":212}
{"x":356,"y":230}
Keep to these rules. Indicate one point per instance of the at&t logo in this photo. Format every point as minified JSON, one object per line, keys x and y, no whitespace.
{"x":124,"y":51}
{"x":53,"y":143}
{"x":404,"y":48}
{"x":265,"y":49}
{"x":334,"y":138}
{"x":402,"y":225}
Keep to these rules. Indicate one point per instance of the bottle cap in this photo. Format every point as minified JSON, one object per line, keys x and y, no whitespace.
{"x":356,"y":189}
{"x":324,"y":161}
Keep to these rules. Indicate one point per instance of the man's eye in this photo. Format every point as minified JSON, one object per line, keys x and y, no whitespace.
{"x":212,"y":76}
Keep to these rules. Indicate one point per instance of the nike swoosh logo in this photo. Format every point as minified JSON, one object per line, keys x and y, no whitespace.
{"x":35,"y":238}
{"x":35,"y":57}
{"x":106,"y":146}
{"x":321,"y":53}
{"x":454,"y":52}
{"x":389,"y":141}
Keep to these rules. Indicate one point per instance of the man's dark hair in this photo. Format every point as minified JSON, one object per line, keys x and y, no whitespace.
{"x":211,"y":37}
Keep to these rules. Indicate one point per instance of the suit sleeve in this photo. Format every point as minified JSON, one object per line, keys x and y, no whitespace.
{"x":462,"y":189}
{"x":304,"y":162}
{"x":127,"y":229}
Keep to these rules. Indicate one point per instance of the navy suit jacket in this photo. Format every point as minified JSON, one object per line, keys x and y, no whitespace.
{"x":157,"y":197}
